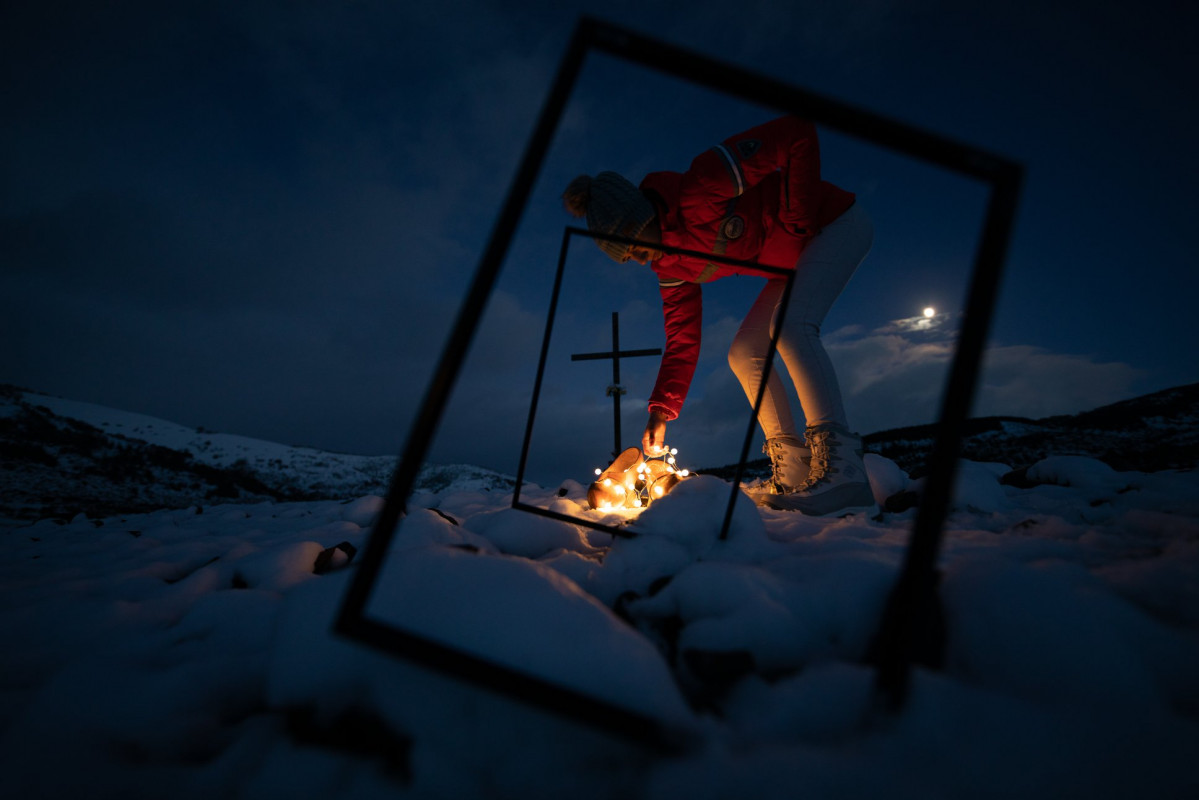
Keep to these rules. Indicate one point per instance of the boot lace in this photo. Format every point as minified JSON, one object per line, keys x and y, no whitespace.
{"x":775,"y":452}
{"x":778,"y":483}
{"x":822,"y":466}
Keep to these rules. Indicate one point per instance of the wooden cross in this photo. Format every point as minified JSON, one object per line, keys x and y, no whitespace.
{"x":615,"y":390}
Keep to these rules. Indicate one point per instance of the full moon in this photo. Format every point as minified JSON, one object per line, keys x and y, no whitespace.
{"x":930,"y":312}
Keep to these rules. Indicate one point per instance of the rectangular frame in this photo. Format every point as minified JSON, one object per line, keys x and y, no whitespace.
{"x":567,"y":235}
{"x":911,"y":605}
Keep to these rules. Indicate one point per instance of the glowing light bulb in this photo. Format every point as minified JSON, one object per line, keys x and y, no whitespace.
{"x":636,"y":479}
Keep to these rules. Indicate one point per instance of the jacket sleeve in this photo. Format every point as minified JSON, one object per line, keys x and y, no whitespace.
{"x":682,"y":311}
{"x":787,"y":144}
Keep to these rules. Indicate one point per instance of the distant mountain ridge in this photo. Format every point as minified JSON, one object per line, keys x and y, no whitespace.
{"x":1149,"y":433}
{"x":61,"y":457}
{"x":1154,"y":432}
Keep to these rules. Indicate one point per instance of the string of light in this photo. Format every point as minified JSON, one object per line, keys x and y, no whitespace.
{"x":634,"y":480}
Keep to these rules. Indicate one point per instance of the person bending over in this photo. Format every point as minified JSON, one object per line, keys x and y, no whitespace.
{"x":757,"y":196}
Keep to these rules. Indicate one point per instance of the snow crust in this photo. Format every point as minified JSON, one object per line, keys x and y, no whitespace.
{"x":191,"y":653}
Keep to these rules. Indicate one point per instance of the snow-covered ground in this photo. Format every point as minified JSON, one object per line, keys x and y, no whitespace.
{"x":189,"y":653}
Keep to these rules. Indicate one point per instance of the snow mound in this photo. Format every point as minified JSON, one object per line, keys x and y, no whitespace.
{"x":785,"y":614}
{"x":691,"y":516}
{"x":520,"y":533}
{"x":1077,"y":471}
{"x":886,"y":478}
{"x":278,"y":569}
{"x":425,"y":527}
{"x":525,"y":615}
{"x":364,"y":510}
{"x":977,"y":487}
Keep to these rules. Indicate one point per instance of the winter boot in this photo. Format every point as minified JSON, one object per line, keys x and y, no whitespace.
{"x":789,"y":464}
{"x":837,"y":483}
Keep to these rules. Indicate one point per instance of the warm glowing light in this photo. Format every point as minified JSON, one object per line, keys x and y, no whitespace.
{"x":634,"y":480}
{"x":930,"y":312}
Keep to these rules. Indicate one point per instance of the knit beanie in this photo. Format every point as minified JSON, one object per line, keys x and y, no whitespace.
{"x":612,"y":205}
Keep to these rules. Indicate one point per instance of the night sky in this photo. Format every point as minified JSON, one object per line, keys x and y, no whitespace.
{"x":261,"y":218}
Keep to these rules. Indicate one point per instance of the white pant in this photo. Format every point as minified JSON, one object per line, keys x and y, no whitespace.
{"x":823,"y":270}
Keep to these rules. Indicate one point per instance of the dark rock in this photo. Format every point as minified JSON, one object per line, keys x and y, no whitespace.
{"x":901,"y":501}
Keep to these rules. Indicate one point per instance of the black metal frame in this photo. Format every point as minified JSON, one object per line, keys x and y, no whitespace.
{"x":786,"y":274}
{"x":909,"y":607}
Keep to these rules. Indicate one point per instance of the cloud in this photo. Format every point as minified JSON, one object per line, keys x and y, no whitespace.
{"x":895,"y":376}
{"x":1028,"y":381}
{"x":889,"y":380}
{"x":936,"y":324}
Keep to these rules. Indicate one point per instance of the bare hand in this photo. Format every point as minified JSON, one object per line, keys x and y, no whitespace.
{"x":654,"y":439}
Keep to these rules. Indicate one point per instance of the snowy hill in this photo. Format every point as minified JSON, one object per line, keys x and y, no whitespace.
{"x":62,"y":457}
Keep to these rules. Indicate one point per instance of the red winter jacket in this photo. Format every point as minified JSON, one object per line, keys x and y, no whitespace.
{"x":757,"y":196}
